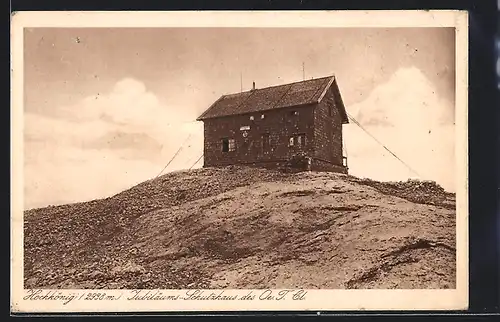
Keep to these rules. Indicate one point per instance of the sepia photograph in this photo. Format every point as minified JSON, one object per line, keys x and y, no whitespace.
{"x":261,"y":163}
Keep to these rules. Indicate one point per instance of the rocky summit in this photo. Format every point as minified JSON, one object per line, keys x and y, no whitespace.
{"x":238,"y":227}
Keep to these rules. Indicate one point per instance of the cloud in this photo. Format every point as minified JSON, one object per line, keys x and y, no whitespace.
{"x":104,"y":144}
{"x":411,"y":120}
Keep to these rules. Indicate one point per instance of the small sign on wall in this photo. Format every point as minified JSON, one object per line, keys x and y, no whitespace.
{"x":245,"y":128}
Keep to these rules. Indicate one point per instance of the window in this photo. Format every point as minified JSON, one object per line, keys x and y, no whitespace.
{"x":297,"y":140}
{"x":228,"y":145}
{"x":232,"y":145}
{"x":301,"y":139}
{"x":266,"y":142}
{"x":262,"y":116}
{"x":251,"y":118}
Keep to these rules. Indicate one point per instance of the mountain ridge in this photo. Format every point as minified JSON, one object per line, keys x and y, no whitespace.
{"x":239,"y":227}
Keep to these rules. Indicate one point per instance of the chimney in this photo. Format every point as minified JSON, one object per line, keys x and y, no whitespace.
{"x":253,"y":86}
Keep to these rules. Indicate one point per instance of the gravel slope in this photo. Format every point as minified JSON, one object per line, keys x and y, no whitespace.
{"x":247,"y":228}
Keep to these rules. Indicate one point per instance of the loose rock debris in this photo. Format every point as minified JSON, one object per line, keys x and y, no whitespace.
{"x":240,"y":227}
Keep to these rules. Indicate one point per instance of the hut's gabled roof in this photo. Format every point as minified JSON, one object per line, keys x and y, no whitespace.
{"x":275,"y":97}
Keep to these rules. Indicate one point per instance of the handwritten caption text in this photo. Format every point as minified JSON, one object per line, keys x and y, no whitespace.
{"x":66,"y":297}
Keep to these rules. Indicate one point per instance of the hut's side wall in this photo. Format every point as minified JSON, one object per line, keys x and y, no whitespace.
{"x":328,"y":131}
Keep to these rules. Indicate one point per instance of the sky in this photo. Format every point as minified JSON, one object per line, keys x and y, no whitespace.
{"x":105,"y":109}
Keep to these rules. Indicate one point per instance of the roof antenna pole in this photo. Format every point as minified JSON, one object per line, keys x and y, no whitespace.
{"x":241,"y":82}
{"x":303,"y":72}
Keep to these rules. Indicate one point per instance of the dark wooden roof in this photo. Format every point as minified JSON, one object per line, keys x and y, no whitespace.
{"x":275,"y":97}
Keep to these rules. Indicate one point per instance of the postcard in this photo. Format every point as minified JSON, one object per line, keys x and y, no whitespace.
{"x":239,"y":161}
